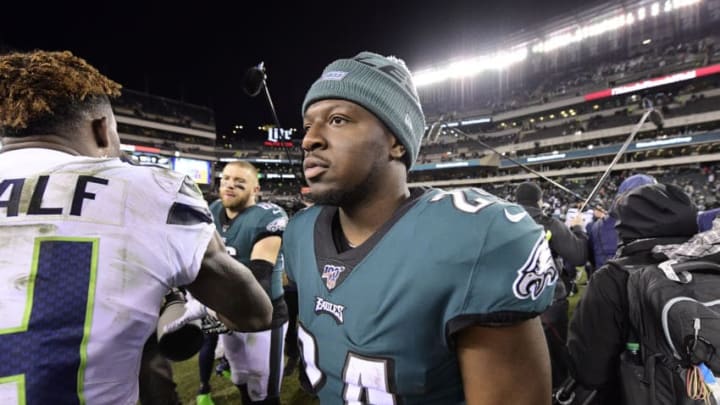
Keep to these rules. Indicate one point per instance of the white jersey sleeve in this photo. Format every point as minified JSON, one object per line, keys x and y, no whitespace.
{"x":186,"y":228}
{"x":88,"y":249}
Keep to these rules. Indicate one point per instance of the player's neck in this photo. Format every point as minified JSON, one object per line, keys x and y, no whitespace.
{"x":360,"y":221}
{"x":54,"y":142}
{"x":232,"y":213}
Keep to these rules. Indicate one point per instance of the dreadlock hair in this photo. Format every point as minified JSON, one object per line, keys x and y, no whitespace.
{"x":49,"y":92}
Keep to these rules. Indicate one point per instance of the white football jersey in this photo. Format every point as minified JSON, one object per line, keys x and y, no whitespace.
{"x":88,"y":249}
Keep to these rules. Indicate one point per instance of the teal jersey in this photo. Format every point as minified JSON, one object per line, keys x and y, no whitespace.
{"x":377,"y":322}
{"x":242,"y":232}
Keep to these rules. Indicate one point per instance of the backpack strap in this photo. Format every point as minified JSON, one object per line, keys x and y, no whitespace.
{"x":674,"y":269}
{"x":695,"y":265}
{"x":619,"y":264}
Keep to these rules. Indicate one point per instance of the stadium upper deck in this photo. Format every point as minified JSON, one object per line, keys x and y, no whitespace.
{"x":587,"y":100}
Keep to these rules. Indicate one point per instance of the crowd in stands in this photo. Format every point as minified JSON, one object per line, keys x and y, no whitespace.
{"x":161,"y":109}
{"x":700,"y":183}
{"x":623,"y":112}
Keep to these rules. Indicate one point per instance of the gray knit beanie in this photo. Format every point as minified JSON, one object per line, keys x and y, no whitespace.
{"x":382,"y":85}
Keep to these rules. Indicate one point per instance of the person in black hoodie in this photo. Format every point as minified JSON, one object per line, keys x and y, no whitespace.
{"x":569,"y":247}
{"x":648,"y":216}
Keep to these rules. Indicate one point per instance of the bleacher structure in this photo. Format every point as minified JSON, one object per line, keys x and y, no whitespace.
{"x":160,"y":131}
{"x":566,"y":111}
{"x":560,"y":98}
{"x":179,"y":135}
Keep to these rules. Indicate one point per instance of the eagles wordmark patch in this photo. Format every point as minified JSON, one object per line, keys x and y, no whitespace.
{"x":323,"y":306}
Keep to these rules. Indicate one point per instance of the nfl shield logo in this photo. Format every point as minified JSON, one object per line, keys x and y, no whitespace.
{"x":331,"y":273}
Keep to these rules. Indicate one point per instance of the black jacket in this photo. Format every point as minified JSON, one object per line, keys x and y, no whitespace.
{"x":600,"y":324}
{"x":570,"y":244}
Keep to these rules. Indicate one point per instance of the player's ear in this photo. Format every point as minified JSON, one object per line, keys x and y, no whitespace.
{"x":101,"y":132}
{"x":397,"y":149}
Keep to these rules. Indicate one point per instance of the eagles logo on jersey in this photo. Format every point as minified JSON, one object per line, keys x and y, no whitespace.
{"x":538,"y":272}
{"x":277,"y":225}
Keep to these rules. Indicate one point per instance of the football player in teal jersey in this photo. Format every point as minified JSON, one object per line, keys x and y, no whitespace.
{"x":252,"y":233}
{"x":90,"y":244}
{"x":408,"y":297}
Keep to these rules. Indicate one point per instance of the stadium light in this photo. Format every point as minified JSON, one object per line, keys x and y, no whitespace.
{"x":655,"y":9}
{"x":630,"y":19}
{"x":471,"y":66}
{"x":564,"y":37}
{"x":475,"y":121}
{"x":684,"y":3}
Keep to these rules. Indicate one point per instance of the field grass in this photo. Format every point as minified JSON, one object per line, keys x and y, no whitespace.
{"x":573,"y":301}
{"x":224,"y":392}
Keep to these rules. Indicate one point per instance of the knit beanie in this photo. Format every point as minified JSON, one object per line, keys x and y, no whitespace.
{"x":528,"y":193}
{"x":631,"y":183}
{"x":635,"y":181}
{"x":382,"y":85}
{"x":655,"y":210}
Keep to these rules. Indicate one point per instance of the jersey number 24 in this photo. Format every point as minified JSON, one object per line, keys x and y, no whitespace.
{"x":367,"y":380}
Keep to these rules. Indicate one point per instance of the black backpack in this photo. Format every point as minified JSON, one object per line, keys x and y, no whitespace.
{"x":675,"y":317}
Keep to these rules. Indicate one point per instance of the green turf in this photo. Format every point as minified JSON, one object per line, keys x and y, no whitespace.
{"x":224,"y":392}
{"x":582,"y":284}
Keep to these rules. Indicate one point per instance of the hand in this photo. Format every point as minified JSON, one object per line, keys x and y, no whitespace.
{"x":212,"y":326}
{"x":577,"y":220}
{"x":193,"y":310}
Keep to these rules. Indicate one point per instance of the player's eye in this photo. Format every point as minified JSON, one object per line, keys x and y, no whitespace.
{"x":338,"y":120}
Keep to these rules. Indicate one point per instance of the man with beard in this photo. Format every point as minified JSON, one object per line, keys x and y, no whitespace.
{"x":252,"y":232}
{"x":422,"y":296}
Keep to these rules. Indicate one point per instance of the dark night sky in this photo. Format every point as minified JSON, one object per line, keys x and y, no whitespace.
{"x":199,"y":51}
